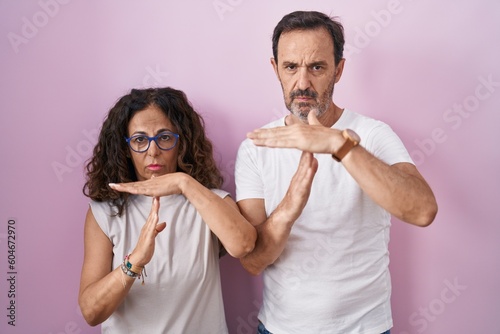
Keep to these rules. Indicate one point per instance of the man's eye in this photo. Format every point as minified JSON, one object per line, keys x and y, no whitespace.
{"x":317,"y":67}
{"x":291,"y":67}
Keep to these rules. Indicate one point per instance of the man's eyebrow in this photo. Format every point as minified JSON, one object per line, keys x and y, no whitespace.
{"x":289,"y":63}
{"x":314,"y":63}
{"x":319,"y":62}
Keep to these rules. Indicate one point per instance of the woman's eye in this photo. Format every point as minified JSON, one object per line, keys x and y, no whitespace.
{"x":165,"y":137}
{"x":140,"y":139}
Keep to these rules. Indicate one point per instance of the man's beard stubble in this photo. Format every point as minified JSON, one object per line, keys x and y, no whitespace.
{"x":302,"y":109}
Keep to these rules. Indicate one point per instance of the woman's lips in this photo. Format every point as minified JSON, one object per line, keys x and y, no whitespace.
{"x":154,"y":167}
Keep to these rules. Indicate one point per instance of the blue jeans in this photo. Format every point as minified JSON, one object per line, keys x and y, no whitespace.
{"x":262,"y":330}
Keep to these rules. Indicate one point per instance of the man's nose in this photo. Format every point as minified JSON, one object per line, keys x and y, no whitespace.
{"x":303,"y":80}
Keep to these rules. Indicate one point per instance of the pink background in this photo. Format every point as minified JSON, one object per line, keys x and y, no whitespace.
{"x":429,"y":69}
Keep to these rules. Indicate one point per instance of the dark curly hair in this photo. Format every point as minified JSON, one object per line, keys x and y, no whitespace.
{"x":301,"y":20}
{"x":110,"y":161}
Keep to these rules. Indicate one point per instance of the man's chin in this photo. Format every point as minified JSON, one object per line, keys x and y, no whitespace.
{"x":302,"y":112}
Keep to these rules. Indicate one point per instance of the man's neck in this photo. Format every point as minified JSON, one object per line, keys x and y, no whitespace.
{"x":331,"y":116}
{"x":328,"y":118}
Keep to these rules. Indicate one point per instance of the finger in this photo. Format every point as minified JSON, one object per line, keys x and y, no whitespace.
{"x":309,"y":160}
{"x":160,"y":227}
{"x":275,"y":137}
{"x":308,"y":165}
{"x":312,"y":119}
{"x":155,"y":207}
{"x":117,"y":187}
{"x":124,"y":187}
{"x":153,"y":215}
{"x":292,"y":119}
{"x":305,"y":159}
{"x":301,"y":183}
{"x":259,"y":133}
{"x":278,"y":131}
{"x":135,"y":188}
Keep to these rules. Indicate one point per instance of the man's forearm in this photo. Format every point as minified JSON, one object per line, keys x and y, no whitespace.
{"x":399,"y":189}
{"x":272,"y":236}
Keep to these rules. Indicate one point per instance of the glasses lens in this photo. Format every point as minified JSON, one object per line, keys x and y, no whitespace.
{"x":166,"y":140}
{"x":139,"y":143}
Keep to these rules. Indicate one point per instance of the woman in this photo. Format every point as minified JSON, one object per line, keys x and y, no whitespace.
{"x":155,"y":137}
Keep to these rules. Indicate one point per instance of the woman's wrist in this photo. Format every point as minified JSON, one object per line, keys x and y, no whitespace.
{"x":184,"y":182}
{"x":135,"y":259}
{"x":133,"y":270}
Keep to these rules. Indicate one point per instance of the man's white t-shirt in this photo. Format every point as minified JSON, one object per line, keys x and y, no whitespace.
{"x":333,"y":275}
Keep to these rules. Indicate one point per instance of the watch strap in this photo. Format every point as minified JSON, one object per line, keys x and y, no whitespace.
{"x":347,"y":146}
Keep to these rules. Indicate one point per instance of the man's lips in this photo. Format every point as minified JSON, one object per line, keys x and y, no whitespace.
{"x":303,"y":98}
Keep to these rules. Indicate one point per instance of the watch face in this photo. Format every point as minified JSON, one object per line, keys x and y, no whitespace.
{"x":353,"y":136}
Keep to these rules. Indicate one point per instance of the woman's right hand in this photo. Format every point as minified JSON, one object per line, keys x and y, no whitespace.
{"x":145,"y":247}
{"x":164,"y":185}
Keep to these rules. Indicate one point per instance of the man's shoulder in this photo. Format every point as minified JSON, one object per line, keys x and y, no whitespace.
{"x":277,"y":122}
{"x":351,"y":119}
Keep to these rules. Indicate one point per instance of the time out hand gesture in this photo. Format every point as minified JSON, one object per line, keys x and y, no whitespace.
{"x":164,"y":185}
{"x":300,"y":187}
{"x":312,"y":137}
{"x":145,"y":247}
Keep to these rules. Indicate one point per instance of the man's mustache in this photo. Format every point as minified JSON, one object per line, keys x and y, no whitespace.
{"x":303,"y":93}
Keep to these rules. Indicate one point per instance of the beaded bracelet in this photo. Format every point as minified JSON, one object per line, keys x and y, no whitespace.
{"x":132,"y":270}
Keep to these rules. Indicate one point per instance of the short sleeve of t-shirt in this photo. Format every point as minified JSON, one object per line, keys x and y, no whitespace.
{"x":248,"y":169}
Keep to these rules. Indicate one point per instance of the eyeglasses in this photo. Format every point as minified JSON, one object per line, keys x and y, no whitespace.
{"x":165,"y":141}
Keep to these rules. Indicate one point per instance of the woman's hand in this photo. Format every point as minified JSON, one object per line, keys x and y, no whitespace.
{"x":145,"y":247}
{"x":158,"y":186}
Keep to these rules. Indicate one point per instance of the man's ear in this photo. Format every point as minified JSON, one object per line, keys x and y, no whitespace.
{"x":275,"y":67}
{"x":339,"y":69}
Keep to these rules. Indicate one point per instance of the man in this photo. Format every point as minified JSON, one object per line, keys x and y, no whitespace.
{"x":323,"y":227}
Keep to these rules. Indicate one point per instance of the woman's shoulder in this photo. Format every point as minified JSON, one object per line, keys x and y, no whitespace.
{"x":219,"y":192}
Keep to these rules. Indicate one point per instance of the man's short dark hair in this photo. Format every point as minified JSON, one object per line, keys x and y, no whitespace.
{"x":301,"y":20}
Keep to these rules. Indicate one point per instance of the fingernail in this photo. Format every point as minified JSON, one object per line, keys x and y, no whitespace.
{"x":112,"y":185}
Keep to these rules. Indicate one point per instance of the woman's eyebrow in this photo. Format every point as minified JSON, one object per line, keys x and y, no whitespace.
{"x":139,"y":132}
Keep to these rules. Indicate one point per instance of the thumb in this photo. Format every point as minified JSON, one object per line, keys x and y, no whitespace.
{"x":292,"y":119}
{"x":160,"y":227}
{"x":312,"y":119}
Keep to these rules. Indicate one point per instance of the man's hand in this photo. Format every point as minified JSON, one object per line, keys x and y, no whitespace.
{"x":312,"y":137}
{"x":300,"y":187}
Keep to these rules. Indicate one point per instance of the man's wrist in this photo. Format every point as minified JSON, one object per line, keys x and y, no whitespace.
{"x":351,"y":140}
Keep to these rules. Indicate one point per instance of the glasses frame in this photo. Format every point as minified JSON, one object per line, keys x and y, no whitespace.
{"x":155,"y":139}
